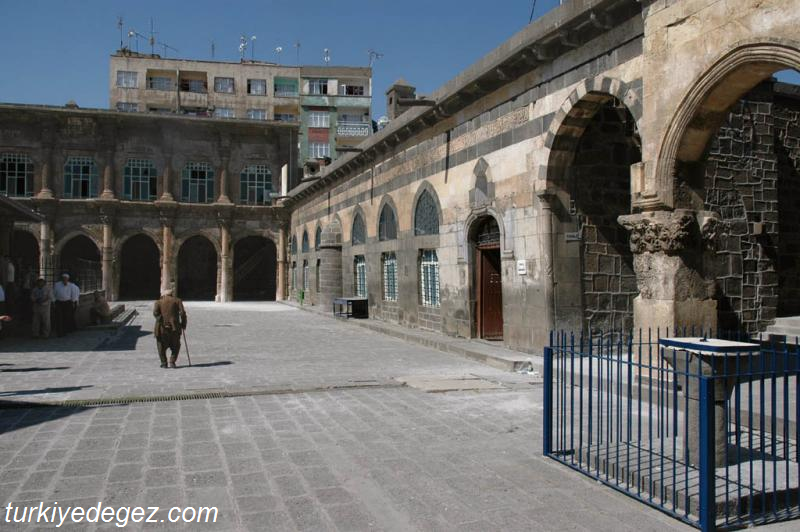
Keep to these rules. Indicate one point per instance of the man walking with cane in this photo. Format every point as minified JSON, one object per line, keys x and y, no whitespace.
{"x":170,"y":323}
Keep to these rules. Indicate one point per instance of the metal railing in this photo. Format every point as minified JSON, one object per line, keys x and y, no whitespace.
{"x":88,"y":279}
{"x":704,"y":430}
{"x":353,"y":129}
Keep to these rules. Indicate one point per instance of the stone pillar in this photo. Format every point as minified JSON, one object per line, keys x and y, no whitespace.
{"x":107,"y":257}
{"x":45,"y":191}
{"x":108,"y":179}
{"x":226,"y":276}
{"x":280,"y":292}
{"x":166,"y":183}
{"x":668,"y":260}
{"x":166,"y":253}
{"x":330,"y":266}
{"x":46,"y":250}
{"x":546,"y":232}
{"x":223,"y":184}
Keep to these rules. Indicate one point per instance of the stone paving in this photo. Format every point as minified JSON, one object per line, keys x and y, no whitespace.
{"x":381,"y":458}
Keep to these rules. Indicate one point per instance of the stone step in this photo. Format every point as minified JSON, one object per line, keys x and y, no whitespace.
{"x":787,"y":321}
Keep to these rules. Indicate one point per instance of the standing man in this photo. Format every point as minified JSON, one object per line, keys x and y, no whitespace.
{"x":41,"y":297}
{"x":66,"y":296}
{"x":170,"y":322}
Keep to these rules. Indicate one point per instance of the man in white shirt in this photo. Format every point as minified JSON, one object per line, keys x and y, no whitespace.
{"x":66,"y":295}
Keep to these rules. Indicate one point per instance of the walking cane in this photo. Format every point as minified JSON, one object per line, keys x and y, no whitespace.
{"x":187,"y":347}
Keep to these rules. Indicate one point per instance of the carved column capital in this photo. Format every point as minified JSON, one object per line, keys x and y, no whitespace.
{"x":667,"y":232}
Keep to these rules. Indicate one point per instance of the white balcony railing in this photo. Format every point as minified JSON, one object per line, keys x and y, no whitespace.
{"x":353,"y":129}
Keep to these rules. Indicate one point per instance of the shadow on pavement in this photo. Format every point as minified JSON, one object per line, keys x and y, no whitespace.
{"x":15,"y":393}
{"x":209,"y":364}
{"x":125,"y":340}
{"x":26,"y":370}
{"x":16,"y":415}
{"x":78,"y":341}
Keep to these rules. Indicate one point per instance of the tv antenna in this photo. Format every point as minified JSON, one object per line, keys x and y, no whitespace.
{"x":242,"y":45}
{"x":297,"y":47}
{"x":252,"y":48}
{"x":213,"y":49}
{"x":373,"y":55}
{"x":121,"y":25}
{"x":166,"y":47}
{"x":133,"y":34}
{"x":152,"y":39}
{"x":326,"y":56}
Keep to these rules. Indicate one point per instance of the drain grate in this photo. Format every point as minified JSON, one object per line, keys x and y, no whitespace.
{"x":112,"y":401}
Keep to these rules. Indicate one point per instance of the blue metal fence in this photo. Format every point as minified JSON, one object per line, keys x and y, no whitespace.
{"x":703,"y":429}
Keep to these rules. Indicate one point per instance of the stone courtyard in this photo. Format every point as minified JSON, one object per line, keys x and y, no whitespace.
{"x":322,"y":437}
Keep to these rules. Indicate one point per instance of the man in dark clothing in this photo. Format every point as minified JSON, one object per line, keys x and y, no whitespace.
{"x":170,"y":322}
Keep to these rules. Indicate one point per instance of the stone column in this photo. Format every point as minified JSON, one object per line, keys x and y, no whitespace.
{"x":223,"y":184}
{"x":546,"y":232}
{"x":330,"y":266}
{"x":166,"y":253}
{"x":108,"y":178}
{"x":668,"y":260}
{"x":226,"y":275}
{"x":166,"y":183}
{"x":280,"y":292}
{"x":45,"y":192}
{"x":107,"y":256}
{"x":46,"y":250}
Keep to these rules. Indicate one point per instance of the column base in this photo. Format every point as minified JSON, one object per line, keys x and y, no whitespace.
{"x":45,"y":193}
{"x":658,"y":314}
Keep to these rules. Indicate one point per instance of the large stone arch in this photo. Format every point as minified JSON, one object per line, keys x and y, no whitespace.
{"x":425,"y":186}
{"x":386,"y":200}
{"x":197,"y":277}
{"x":138,"y":270}
{"x":347,"y":236}
{"x":254,"y":267}
{"x":703,"y":108}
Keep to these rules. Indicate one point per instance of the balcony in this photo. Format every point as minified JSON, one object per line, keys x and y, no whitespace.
{"x":333,"y":100}
{"x":353,"y":129}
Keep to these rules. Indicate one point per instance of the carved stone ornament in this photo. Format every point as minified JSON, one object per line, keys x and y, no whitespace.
{"x":667,"y":232}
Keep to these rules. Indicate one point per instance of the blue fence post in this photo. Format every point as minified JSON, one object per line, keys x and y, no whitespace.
{"x":548,"y":401}
{"x":708,"y":503}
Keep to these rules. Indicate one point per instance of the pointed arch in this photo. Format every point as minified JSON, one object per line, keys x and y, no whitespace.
{"x":387,"y":219}
{"x":427,"y":213}
{"x":358,"y":228}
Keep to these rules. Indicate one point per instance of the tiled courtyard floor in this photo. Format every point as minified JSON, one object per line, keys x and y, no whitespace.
{"x":375,"y":458}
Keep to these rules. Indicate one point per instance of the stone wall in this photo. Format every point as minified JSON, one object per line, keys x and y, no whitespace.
{"x":751,"y":181}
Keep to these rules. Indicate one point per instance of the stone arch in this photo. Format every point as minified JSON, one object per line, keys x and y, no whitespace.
{"x":484,"y":259}
{"x":198,"y":257}
{"x":387,"y":202}
{"x":425,"y":187}
{"x":703,"y":108}
{"x":66,"y":237}
{"x":80,"y":255}
{"x":357,"y":212}
{"x":305,"y":246}
{"x":138,"y":256}
{"x":317,"y":236}
{"x":255,"y":266}
{"x":470,"y":224}
{"x":26,"y":249}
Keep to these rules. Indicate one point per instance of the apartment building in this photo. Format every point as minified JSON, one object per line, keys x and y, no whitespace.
{"x":332,"y":104}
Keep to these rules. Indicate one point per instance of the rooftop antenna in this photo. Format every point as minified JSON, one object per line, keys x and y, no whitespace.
{"x":120,"y":25}
{"x":278,"y":51}
{"x":373,"y":55}
{"x":166,"y":46}
{"x":326,"y":56}
{"x":132,"y":33}
{"x":252,"y":48}
{"x":213,"y":47}
{"x":152,"y":38}
{"x":297,"y":46}
{"x":242,"y":45}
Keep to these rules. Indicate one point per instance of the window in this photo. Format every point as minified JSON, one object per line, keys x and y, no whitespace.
{"x":359,"y":235}
{"x":306,"y":281}
{"x":318,"y":237}
{"x":294,"y":275}
{"x":285,"y":117}
{"x":127,"y":79}
{"x":352,"y":118}
{"x":285,"y":87}
{"x":140,"y":181}
{"x":426,"y":215}
{"x":223,"y":85}
{"x":255,"y":185}
{"x":319,"y":119}
{"x":351,"y":90}
{"x":16,"y":175}
{"x":224,"y":112}
{"x":387,"y":225}
{"x":160,"y":83}
{"x":389,"y":276}
{"x":197,"y":183}
{"x":360,"y":271}
{"x":318,"y":86}
{"x":194,"y":85}
{"x":128,"y":107}
{"x":305,"y":242}
{"x":316,"y":283}
{"x":318,"y":150}
{"x":429,"y":278}
{"x":257,"y":114}
{"x":294,"y":245}
{"x":80,"y":178}
{"x":257,"y":87}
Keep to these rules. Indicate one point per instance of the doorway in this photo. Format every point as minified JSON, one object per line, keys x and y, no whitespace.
{"x":140,"y":275}
{"x":488,"y":280}
{"x":197,"y":269}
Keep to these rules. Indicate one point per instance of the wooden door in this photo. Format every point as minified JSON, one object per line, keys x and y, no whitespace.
{"x":491,"y":295}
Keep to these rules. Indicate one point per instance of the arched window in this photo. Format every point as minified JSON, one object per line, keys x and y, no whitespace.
{"x":429,"y":278}
{"x":426,"y":215}
{"x":387,"y":225}
{"x":389,"y":261}
{"x":80,"y":178}
{"x":255,"y":185}
{"x":140,"y":180}
{"x":294,"y":245}
{"x":306,"y":280}
{"x":305,"y":242}
{"x":359,"y":235}
{"x":16,"y":175}
{"x":197,"y":183}
{"x":318,"y":237}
